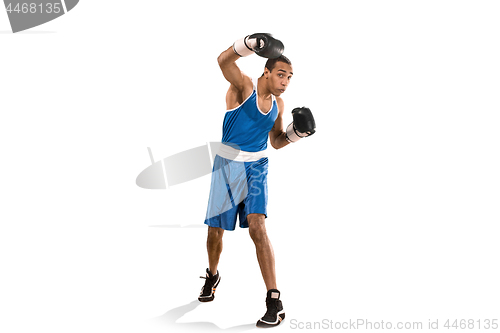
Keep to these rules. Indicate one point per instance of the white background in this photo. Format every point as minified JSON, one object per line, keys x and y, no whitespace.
{"x":389,"y":212}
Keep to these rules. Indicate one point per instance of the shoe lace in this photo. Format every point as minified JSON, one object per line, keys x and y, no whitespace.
{"x":272,"y":308}
{"x":207,"y":288}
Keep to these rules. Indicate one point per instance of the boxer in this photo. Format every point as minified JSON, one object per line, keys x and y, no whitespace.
{"x":239,"y":180}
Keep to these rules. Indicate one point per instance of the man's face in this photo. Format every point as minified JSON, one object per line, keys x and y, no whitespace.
{"x":279,"y":78}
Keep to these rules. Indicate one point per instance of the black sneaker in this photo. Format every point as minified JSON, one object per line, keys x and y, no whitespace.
{"x":275,"y":313}
{"x":207,"y":293}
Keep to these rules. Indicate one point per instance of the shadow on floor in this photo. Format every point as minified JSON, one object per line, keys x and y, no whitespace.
{"x":170,"y":318}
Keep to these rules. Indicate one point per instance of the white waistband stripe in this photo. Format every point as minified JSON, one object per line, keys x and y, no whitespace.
{"x":239,"y":155}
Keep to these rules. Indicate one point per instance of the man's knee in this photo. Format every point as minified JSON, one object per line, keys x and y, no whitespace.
{"x":215,"y":233}
{"x":257,"y":227}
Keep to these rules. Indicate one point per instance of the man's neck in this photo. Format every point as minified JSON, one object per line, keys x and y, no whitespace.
{"x":262,"y":90}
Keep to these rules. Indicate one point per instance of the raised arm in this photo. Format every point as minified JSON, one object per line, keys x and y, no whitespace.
{"x":263,"y":45}
{"x":232,"y":73}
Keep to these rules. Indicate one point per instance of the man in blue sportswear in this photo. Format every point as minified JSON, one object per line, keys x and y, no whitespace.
{"x":239,"y":178}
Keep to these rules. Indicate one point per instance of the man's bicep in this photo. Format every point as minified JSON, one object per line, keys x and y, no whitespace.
{"x":278,"y":124}
{"x":277,"y":127}
{"x":232,"y":73}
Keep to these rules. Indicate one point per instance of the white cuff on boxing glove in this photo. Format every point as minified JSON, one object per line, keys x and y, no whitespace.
{"x":292,"y":135}
{"x":244,"y":46}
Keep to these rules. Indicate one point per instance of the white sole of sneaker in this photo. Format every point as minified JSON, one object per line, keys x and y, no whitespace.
{"x":279,"y":319}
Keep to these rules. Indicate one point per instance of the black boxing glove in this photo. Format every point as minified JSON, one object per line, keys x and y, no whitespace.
{"x":303,"y":125}
{"x":263,"y":45}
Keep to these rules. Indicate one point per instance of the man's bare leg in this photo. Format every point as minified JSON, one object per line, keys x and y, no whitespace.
{"x":265,"y":253}
{"x":214,"y":247}
{"x":212,"y":279}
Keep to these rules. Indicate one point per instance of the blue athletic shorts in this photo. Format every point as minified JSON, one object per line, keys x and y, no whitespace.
{"x":237,"y":189}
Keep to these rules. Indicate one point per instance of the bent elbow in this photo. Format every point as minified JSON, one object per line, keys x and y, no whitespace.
{"x":221,"y":59}
{"x":275,"y":145}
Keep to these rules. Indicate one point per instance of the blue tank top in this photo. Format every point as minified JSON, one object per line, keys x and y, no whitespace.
{"x":247,"y":126}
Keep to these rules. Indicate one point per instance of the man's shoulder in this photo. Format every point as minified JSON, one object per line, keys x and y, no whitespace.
{"x":280,"y":103}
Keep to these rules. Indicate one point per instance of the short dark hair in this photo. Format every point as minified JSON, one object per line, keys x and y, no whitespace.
{"x":271,"y":63}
